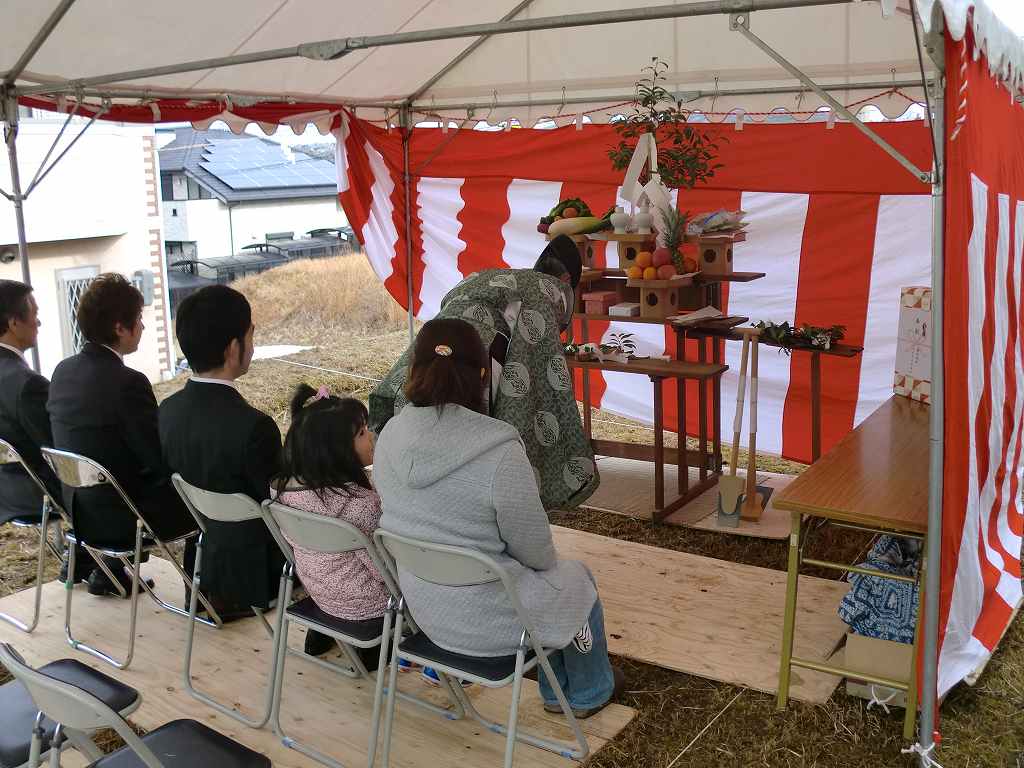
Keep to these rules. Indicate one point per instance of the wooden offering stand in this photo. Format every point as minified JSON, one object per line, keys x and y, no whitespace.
{"x":691,"y":292}
{"x":629,"y":245}
{"x":659,"y":299}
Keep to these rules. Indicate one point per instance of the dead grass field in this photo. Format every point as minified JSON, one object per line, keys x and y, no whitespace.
{"x":338,"y":307}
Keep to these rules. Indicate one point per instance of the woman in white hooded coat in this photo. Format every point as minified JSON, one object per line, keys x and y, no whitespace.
{"x":449,"y":474}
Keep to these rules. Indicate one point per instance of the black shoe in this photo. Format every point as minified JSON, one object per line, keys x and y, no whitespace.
{"x":317,"y":643}
{"x":84,"y":566}
{"x":100,"y":585}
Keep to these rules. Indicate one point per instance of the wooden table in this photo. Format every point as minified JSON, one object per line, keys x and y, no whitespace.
{"x":702,"y":332}
{"x":657,"y":371}
{"x":705,"y":291}
{"x":875,"y":479}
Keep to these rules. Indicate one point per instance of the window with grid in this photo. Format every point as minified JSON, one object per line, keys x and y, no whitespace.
{"x":72,"y":286}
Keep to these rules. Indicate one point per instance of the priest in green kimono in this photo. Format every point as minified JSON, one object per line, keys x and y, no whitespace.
{"x":520,"y":315}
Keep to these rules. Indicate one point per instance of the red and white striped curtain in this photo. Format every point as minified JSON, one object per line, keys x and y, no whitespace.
{"x":837,"y":226}
{"x":984,"y":365}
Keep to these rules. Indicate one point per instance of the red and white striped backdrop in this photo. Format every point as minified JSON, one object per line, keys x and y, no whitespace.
{"x":984,"y":367}
{"x":837,"y":226}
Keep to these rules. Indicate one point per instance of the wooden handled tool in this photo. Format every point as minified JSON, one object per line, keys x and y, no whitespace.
{"x":730,"y":487}
{"x":753,"y":504}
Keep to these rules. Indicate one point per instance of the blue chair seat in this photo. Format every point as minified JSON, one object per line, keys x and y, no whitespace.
{"x":18,"y":712}
{"x":495,"y":669}
{"x":364,"y":631}
{"x":187,"y":743}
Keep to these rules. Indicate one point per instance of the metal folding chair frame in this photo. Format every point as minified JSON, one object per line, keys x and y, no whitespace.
{"x":77,"y":471}
{"x":79,"y":738}
{"x":76,"y":711}
{"x":217,"y":508}
{"x":487,"y":570}
{"x":9,"y":455}
{"x":358,"y":541}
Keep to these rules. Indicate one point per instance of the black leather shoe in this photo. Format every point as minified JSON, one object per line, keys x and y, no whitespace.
{"x":100,"y":585}
{"x":84,"y":566}
{"x":317,"y":643}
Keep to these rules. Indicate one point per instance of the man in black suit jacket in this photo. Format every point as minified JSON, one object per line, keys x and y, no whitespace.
{"x":220,"y":443}
{"x":23,"y":419}
{"x":102,"y":409}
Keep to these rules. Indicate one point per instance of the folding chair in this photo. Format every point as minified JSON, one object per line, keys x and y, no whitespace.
{"x":224,"y":508}
{"x":8,"y":455}
{"x":22,"y":719}
{"x":77,"y":471}
{"x":329,"y":535}
{"x":457,"y":567}
{"x":76,"y":711}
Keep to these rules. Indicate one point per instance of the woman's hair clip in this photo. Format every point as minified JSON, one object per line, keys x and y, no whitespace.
{"x":443,"y":350}
{"x":321,"y":394}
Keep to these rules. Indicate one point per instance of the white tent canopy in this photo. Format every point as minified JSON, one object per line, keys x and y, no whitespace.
{"x":522,"y":59}
{"x":528,"y":76}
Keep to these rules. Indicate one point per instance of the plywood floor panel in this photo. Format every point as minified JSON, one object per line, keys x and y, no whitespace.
{"x":328,"y":710}
{"x":627,"y":488}
{"x":707,"y":617}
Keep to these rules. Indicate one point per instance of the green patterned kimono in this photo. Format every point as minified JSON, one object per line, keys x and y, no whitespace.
{"x":535,"y":393}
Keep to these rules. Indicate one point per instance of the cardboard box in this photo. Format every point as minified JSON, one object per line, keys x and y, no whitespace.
{"x":881,"y":658}
{"x":625,"y":309}
{"x":914,"y":345}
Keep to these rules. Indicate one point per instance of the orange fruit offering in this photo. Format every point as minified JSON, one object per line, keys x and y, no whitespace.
{"x":690,"y":264}
{"x":635,"y":273}
{"x":650,"y":273}
{"x":644,"y":259}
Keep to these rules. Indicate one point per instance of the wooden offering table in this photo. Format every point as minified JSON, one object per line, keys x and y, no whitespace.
{"x":716,"y":329}
{"x":658,"y":371}
{"x":876,"y":480}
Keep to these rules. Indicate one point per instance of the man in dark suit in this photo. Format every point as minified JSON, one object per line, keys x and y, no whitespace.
{"x":24,"y":422}
{"x":102,"y":409}
{"x":220,"y":443}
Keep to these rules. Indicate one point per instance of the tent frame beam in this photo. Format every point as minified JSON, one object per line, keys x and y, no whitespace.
{"x":522,"y":6}
{"x":740,"y":22}
{"x":682,"y":95}
{"x":329,"y":50}
{"x":37,"y":42}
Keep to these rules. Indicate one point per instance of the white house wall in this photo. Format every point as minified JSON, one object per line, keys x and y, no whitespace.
{"x":95,"y":190}
{"x":99,"y":208}
{"x":206,"y":222}
{"x":254,"y":220}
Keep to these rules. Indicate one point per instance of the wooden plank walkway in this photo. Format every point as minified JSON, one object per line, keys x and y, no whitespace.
{"x":707,"y":617}
{"x":320,"y":707}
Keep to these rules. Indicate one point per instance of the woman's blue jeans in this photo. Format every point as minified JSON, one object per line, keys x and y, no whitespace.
{"x":586,"y":678}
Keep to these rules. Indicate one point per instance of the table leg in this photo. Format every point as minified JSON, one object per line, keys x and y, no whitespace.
{"x":910,"y":716}
{"x":584,"y":335}
{"x":702,"y":413}
{"x":683,"y":465}
{"x":815,"y":406}
{"x":659,"y":448}
{"x":789,"y":617}
{"x":716,"y":408}
{"x":586,"y":403}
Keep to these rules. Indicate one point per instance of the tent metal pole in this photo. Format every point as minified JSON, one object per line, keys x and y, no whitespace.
{"x":405,"y":121}
{"x":685,"y":96}
{"x":933,"y":555}
{"x":465,"y":54}
{"x":42,"y":174}
{"x":18,"y":199}
{"x":740,"y":22}
{"x":328,"y":50}
{"x":37,"y":42}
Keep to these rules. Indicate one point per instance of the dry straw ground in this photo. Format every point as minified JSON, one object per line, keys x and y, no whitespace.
{"x":338,"y":307}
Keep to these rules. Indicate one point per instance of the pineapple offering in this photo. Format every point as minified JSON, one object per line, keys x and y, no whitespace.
{"x":667,"y":261}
